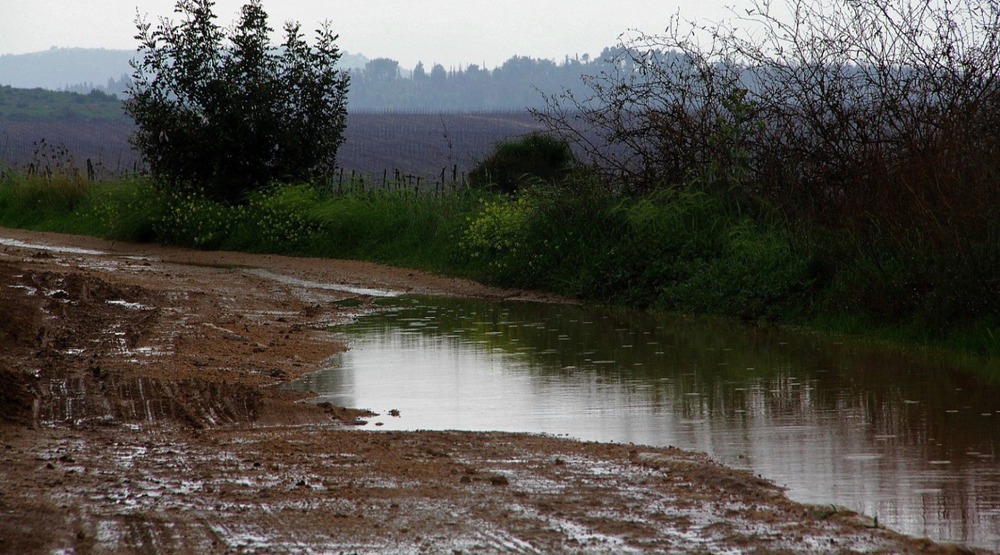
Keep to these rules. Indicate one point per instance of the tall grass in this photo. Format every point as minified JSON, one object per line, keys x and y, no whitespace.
{"x":41,"y":202}
{"x":396,"y":227}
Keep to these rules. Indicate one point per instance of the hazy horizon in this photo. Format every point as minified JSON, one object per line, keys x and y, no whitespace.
{"x":448,"y":32}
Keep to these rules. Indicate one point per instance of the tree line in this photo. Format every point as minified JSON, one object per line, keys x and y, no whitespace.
{"x":521,"y":82}
{"x":382,"y":84}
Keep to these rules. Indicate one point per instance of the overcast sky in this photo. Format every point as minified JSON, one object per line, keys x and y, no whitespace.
{"x":449,"y":32}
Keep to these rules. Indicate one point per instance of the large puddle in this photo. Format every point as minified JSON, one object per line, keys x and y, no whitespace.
{"x":912,"y":443}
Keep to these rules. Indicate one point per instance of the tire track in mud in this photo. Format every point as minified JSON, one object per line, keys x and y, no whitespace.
{"x":82,"y":345}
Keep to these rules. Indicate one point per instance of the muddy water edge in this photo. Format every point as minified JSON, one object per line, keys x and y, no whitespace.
{"x":911,"y":440}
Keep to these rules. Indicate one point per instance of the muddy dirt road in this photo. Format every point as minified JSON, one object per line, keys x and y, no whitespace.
{"x":138,"y":413}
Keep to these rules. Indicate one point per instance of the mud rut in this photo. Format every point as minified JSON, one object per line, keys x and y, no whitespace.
{"x":138,"y":413}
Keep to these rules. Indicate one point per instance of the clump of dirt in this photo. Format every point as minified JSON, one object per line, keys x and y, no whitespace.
{"x":18,"y":332}
{"x":17,"y":394}
{"x":139,"y":413}
{"x":354,"y":417}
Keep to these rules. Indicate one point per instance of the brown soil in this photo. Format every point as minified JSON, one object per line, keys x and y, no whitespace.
{"x":138,"y":414}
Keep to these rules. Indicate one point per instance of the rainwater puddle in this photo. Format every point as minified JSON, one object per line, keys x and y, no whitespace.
{"x":866,"y":430}
{"x":288,"y":280}
{"x":50,"y":248}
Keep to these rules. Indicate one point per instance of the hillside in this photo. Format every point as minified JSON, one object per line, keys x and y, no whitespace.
{"x":43,"y":105}
{"x":378,"y":84}
{"x":84,"y":69}
{"x":61,"y":68}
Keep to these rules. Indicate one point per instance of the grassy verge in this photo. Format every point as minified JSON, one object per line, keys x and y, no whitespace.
{"x":395,"y":227}
{"x":678,"y":250}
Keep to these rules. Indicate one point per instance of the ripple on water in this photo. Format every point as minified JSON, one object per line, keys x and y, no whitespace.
{"x":863,"y":457}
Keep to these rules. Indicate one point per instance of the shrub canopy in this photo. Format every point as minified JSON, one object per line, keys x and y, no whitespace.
{"x":224,"y":112}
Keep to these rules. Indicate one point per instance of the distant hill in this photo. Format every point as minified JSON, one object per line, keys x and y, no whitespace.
{"x":85,"y":69}
{"x":518,"y":84}
{"x":43,"y":105}
{"x":63,"y":68}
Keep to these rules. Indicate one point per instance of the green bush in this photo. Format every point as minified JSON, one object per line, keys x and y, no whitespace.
{"x":514,"y":163}
{"x":678,"y":250}
{"x":757,"y":275}
{"x":223,"y":112}
{"x":277,"y":220}
{"x":192,"y":220}
{"x":497,"y":238}
{"x":126,"y":210}
{"x":907,"y":282}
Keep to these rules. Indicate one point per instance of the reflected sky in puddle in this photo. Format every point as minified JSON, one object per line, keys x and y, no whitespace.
{"x":51,"y":248}
{"x":288,"y":280}
{"x":913,"y":443}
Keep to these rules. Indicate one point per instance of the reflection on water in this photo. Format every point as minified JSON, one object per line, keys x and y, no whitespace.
{"x":914,"y":444}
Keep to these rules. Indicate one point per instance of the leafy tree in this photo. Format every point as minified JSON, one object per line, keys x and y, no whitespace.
{"x":225,"y":112}
{"x":382,"y":69}
{"x":439,"y":74}
{"x":419,"y":73}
